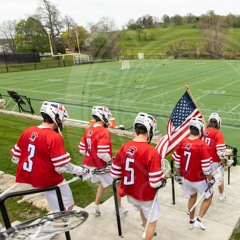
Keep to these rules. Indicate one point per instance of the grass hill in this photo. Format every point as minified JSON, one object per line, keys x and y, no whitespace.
{"x":155,"y":42}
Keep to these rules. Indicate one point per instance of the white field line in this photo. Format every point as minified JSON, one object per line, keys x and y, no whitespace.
{"x":234,"y":108}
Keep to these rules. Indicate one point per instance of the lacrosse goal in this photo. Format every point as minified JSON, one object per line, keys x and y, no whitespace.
{"x":81,"y":59}
{"x":125,"y":64}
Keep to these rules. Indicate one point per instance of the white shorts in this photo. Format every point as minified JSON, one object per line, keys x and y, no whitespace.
{"x":105,"y":179}
{"x":146,"y":208}
{"x":190,"y":188}
{"x":67,"y":197}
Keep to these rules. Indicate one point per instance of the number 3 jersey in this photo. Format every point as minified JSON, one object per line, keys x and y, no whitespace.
{"x":193,"y":158}
{"x":138,"y":164}
{"x":40,"y":150}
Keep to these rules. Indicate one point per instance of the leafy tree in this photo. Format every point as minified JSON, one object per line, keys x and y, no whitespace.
{"x":50,"y":17}
{"x":105,"y":46}
{"x":71,"y":36}
{"x":7,"y":31}
{"x":31,"y":36}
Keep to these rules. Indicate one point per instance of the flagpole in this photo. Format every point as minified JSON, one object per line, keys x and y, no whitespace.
{"x":189,"y":92}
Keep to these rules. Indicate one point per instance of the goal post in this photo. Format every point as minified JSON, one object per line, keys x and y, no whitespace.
{"x":125,"y":64}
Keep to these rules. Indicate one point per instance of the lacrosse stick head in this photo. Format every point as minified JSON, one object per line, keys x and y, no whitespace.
{"x":165,"y":166}
{"x":218,"y":176}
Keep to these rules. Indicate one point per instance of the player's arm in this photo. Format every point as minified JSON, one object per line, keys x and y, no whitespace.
{"x":73,"y":169}
{"x":156,"y":174}
{"x":81,"y":148}
{"x":16,"y":153}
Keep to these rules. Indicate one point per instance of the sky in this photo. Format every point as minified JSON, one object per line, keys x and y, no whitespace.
{"x":121,"y":11}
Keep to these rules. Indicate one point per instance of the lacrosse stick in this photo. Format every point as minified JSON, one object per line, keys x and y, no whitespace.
{"x":203,"y":194}
{"x":166,"y":169}
{"x":100,"y":171}
{"x":19,"y":186}
{"x":40,"y":194}
{"x":9,"y":189}
{"x":46,"y":226}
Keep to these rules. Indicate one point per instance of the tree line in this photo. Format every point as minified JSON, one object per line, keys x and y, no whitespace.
{"x":48,"y":28}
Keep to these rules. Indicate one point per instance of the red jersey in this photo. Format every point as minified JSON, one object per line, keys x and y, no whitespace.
{"x":40,"y":150}
{"x":138,"y":164}
{"x":96,"y":140}
{"x":193,"y":158}
{"x":215,"y":140}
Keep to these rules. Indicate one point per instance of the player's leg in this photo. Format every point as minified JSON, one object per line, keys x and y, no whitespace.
{"x":67,"y":198}
{"x":122,"y":210}
{"x":191,"y":201}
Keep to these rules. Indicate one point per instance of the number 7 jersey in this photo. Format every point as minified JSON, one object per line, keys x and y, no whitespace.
{"x":193,"y":158}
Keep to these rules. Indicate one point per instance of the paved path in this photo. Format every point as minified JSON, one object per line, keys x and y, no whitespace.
{"x":220,"y":220}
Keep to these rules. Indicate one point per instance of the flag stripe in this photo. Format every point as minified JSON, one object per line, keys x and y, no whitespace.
{"x":178,"y":124}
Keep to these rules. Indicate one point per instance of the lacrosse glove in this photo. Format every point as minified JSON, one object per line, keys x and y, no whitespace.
{"x":163,"y":184}
{"x":211,"y":182}
{"x":85,"y":173}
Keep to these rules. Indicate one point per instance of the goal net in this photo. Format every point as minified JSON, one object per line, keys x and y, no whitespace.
{"x":125,"y":64}
{"x":81,"y":58}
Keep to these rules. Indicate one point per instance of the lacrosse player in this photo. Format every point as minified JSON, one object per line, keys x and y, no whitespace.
{"x":96,"y":147}
{"x":193,"y":161}
{"x":139,"y":165}
{"x":41,"y":156}
{"x":215,"y":140}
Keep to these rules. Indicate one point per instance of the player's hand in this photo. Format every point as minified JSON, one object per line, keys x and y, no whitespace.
{"x":178,"y":179}
{"x":85,"y":173}
{"x":163,"y":184}
{"x":211,"y":182}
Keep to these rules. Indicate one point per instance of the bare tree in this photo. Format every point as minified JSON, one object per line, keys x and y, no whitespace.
{"x":51,"y":20}
{"x":68,"y":23}
{"x":214,"y":40}
{"x":7,"y":31}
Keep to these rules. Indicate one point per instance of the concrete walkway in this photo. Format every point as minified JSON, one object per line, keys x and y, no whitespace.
{"x":220,"y":220}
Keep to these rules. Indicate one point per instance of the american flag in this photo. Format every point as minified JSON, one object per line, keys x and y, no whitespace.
{"x":178,"y":124}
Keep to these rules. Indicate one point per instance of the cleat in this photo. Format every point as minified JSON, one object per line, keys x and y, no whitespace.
{"x":95,"y":210}
{"x":222,"y":197}
{"x":199,"y":224}
{"x":123,"y":210}
{"x":191,"y":224}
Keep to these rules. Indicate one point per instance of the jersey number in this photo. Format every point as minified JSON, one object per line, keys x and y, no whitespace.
{"x":27,"y":166}
{"x":188,"y":155}
{"x":89,"y":144}
{"x":129,"y":180}
{"x":207,"y":140}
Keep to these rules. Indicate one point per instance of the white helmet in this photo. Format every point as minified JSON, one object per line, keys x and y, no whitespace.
{"x":55,"y":111}
{"x":147,"y":122}
{"x":102,"y":113}
{"x":215,"y":117}
{"x":198,"y":123}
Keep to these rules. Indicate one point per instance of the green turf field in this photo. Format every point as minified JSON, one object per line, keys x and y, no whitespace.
{"x":152,"y":86}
